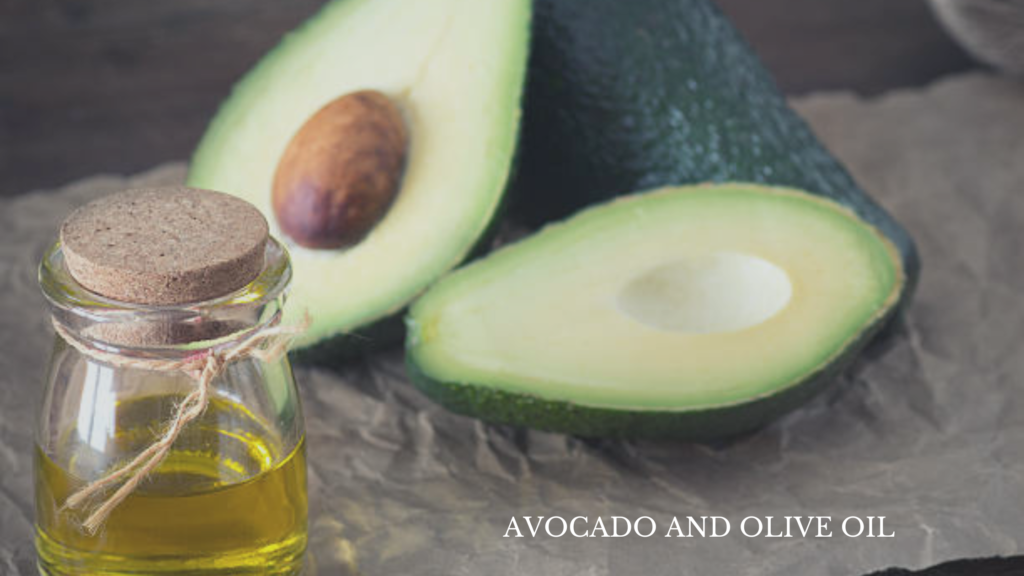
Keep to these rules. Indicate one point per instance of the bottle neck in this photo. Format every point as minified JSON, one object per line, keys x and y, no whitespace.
{"x":176,"y":331}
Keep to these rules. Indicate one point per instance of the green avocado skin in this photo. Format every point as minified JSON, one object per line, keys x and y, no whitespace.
{"x":700,"y":425}
{"x":625,"y":96}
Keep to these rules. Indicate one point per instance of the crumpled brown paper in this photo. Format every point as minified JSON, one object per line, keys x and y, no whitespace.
{"x":927,"y":430}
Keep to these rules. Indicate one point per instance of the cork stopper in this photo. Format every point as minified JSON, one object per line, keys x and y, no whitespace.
{"x":165,"y":246}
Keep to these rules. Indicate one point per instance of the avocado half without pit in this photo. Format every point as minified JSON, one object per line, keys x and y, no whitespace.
{"x":697,"y":312}
{"x":377,"y":139}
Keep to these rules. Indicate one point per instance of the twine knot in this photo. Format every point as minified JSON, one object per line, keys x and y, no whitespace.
{"x":266,"y":345}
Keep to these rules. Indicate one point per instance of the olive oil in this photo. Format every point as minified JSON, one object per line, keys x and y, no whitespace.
{"x":230,"y":498}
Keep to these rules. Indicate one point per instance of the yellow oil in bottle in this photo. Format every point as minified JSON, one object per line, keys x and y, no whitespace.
{"x":226,"y":500}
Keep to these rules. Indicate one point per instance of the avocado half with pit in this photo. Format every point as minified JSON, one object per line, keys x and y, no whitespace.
{"x":696,"y":312}
{"x":377,"y":139}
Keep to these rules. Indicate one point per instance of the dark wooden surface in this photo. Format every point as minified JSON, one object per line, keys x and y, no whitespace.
{"x":90,"y":86}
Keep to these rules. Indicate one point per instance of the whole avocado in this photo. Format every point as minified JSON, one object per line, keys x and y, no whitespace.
{"x":625,"y":96}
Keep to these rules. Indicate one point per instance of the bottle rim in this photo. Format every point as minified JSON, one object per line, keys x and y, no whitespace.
{"x":98,"y":319}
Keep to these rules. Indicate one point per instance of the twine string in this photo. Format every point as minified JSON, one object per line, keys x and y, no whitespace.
{"x":265,"y":345}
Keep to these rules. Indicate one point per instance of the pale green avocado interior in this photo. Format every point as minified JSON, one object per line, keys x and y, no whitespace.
{"x":680,"y":298}
{"x":455,"y":68}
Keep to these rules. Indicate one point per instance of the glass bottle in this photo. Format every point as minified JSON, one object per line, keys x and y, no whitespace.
{"x":230,"y":497}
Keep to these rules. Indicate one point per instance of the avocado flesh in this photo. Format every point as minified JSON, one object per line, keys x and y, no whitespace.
{"x":456,"y":69}
{"x":628,"y":96}
{"x":684,"y":303}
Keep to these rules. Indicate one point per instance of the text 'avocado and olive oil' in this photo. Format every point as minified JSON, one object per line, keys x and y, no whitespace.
{"x":688,"y":312}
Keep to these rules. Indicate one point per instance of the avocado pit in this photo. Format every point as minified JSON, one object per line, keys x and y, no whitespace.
{"x":341,"y":171}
